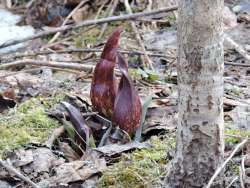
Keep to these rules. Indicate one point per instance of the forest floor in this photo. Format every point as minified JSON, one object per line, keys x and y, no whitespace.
{"x":37,"y":138}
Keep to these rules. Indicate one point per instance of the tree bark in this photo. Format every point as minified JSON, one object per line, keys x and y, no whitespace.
{"x":200,"y":145}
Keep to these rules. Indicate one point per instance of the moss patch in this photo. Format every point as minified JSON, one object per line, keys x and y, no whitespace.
{"x":141,"y":168}
{"x":236,"y":135}
{"x":86,"y":38}
{"x":26,"y":123}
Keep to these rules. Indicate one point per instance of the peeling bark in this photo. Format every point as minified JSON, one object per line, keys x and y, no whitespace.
{"x":200,"y":142}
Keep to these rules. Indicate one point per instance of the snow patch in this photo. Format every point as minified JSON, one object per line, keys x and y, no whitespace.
{"x":10,"y":31}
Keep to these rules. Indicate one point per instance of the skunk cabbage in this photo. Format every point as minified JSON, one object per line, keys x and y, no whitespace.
{"x":127,"y":107}
{"x":82,"y":130}
{"x":103,"y":87}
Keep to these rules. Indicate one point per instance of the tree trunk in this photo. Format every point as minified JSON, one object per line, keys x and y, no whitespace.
{"x":200,"y":145}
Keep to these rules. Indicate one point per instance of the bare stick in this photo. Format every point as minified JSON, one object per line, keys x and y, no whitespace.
{"x":111,"y":11}
{"x":88,"y":23}
{"x":32,"y":70}
{"x":237,"y":47}
{"x":53,"y":64}
{"x":43,"y":52}
{"x":67,"y":19}
{"x":149,"y":8}
{"x":11,"y":169}
{"x":130,"y":52}
{"x":243,"y":101}
{"x":217,"y":172}
{"x":242,"y":172}
{"x":231,"y":183}
{"x":138,"y":37}
{"x":75,"y":66}
{"x":238,"y":64}
{"x":100,"y":9}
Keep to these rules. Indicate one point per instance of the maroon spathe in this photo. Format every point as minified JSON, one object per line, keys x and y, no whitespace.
{"x":104,"y":86}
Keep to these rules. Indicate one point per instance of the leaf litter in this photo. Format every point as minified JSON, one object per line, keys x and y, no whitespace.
{"x":31,"y":110}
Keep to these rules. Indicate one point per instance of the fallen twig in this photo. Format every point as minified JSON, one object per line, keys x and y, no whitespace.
{"x":88,"y":23}
{"x":217,"y":172}
{"x":52,"y":64}
{"x":35,"y":53}
{"x":242,"y":172}
{"x":66,"y":20}
{"x":238,"y":48}
{"x":148,"y":61}
{"x":34,"y":70}
{"x":101,"y":8}
{"x":242,"y":101}
{"x":231,"y":183}
{"x":238,"y":64}
{"x":11,"y":169}
{"x":111,"y":10}
{"x":75,"y":66}
{"x":149,"y":8}
{"x":231,"y":102}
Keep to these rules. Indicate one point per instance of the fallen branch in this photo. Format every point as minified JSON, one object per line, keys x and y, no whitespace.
{"x":217,"y":172}
{"x":111,"y":10}
{"x":67,"y":19}
{"x":130,"y":52}
{"x":34,"y":70}
{"x":88,"y":23}
{"x":101,"y":8}
{"x":237,"y":47}
{"x":238,"y":64}
{"x":242,"y":101}
{"x":231,"y":183}
{"x":242,"y":172}
{"x":75,"y":66}
{"x":52,"y":64}
{"x":11,"y":169}
{"x":233,"y":102}
{"x":138,"y":37}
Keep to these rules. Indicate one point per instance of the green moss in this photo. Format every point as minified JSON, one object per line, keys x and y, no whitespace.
{"x":232,"y":169}
{"x":86,"y":38}
{"x":236,"y":135}
{"x":51,"y":101}
{"x":236,"y":90}
{"x":146,"y":74}
{"x":134,"y":74}
{"x":141,"y":168}
{"x":171,"y":18}
{"x":12,"y":137}
{"x":235,"y":169}
{"x":26,"y":123}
